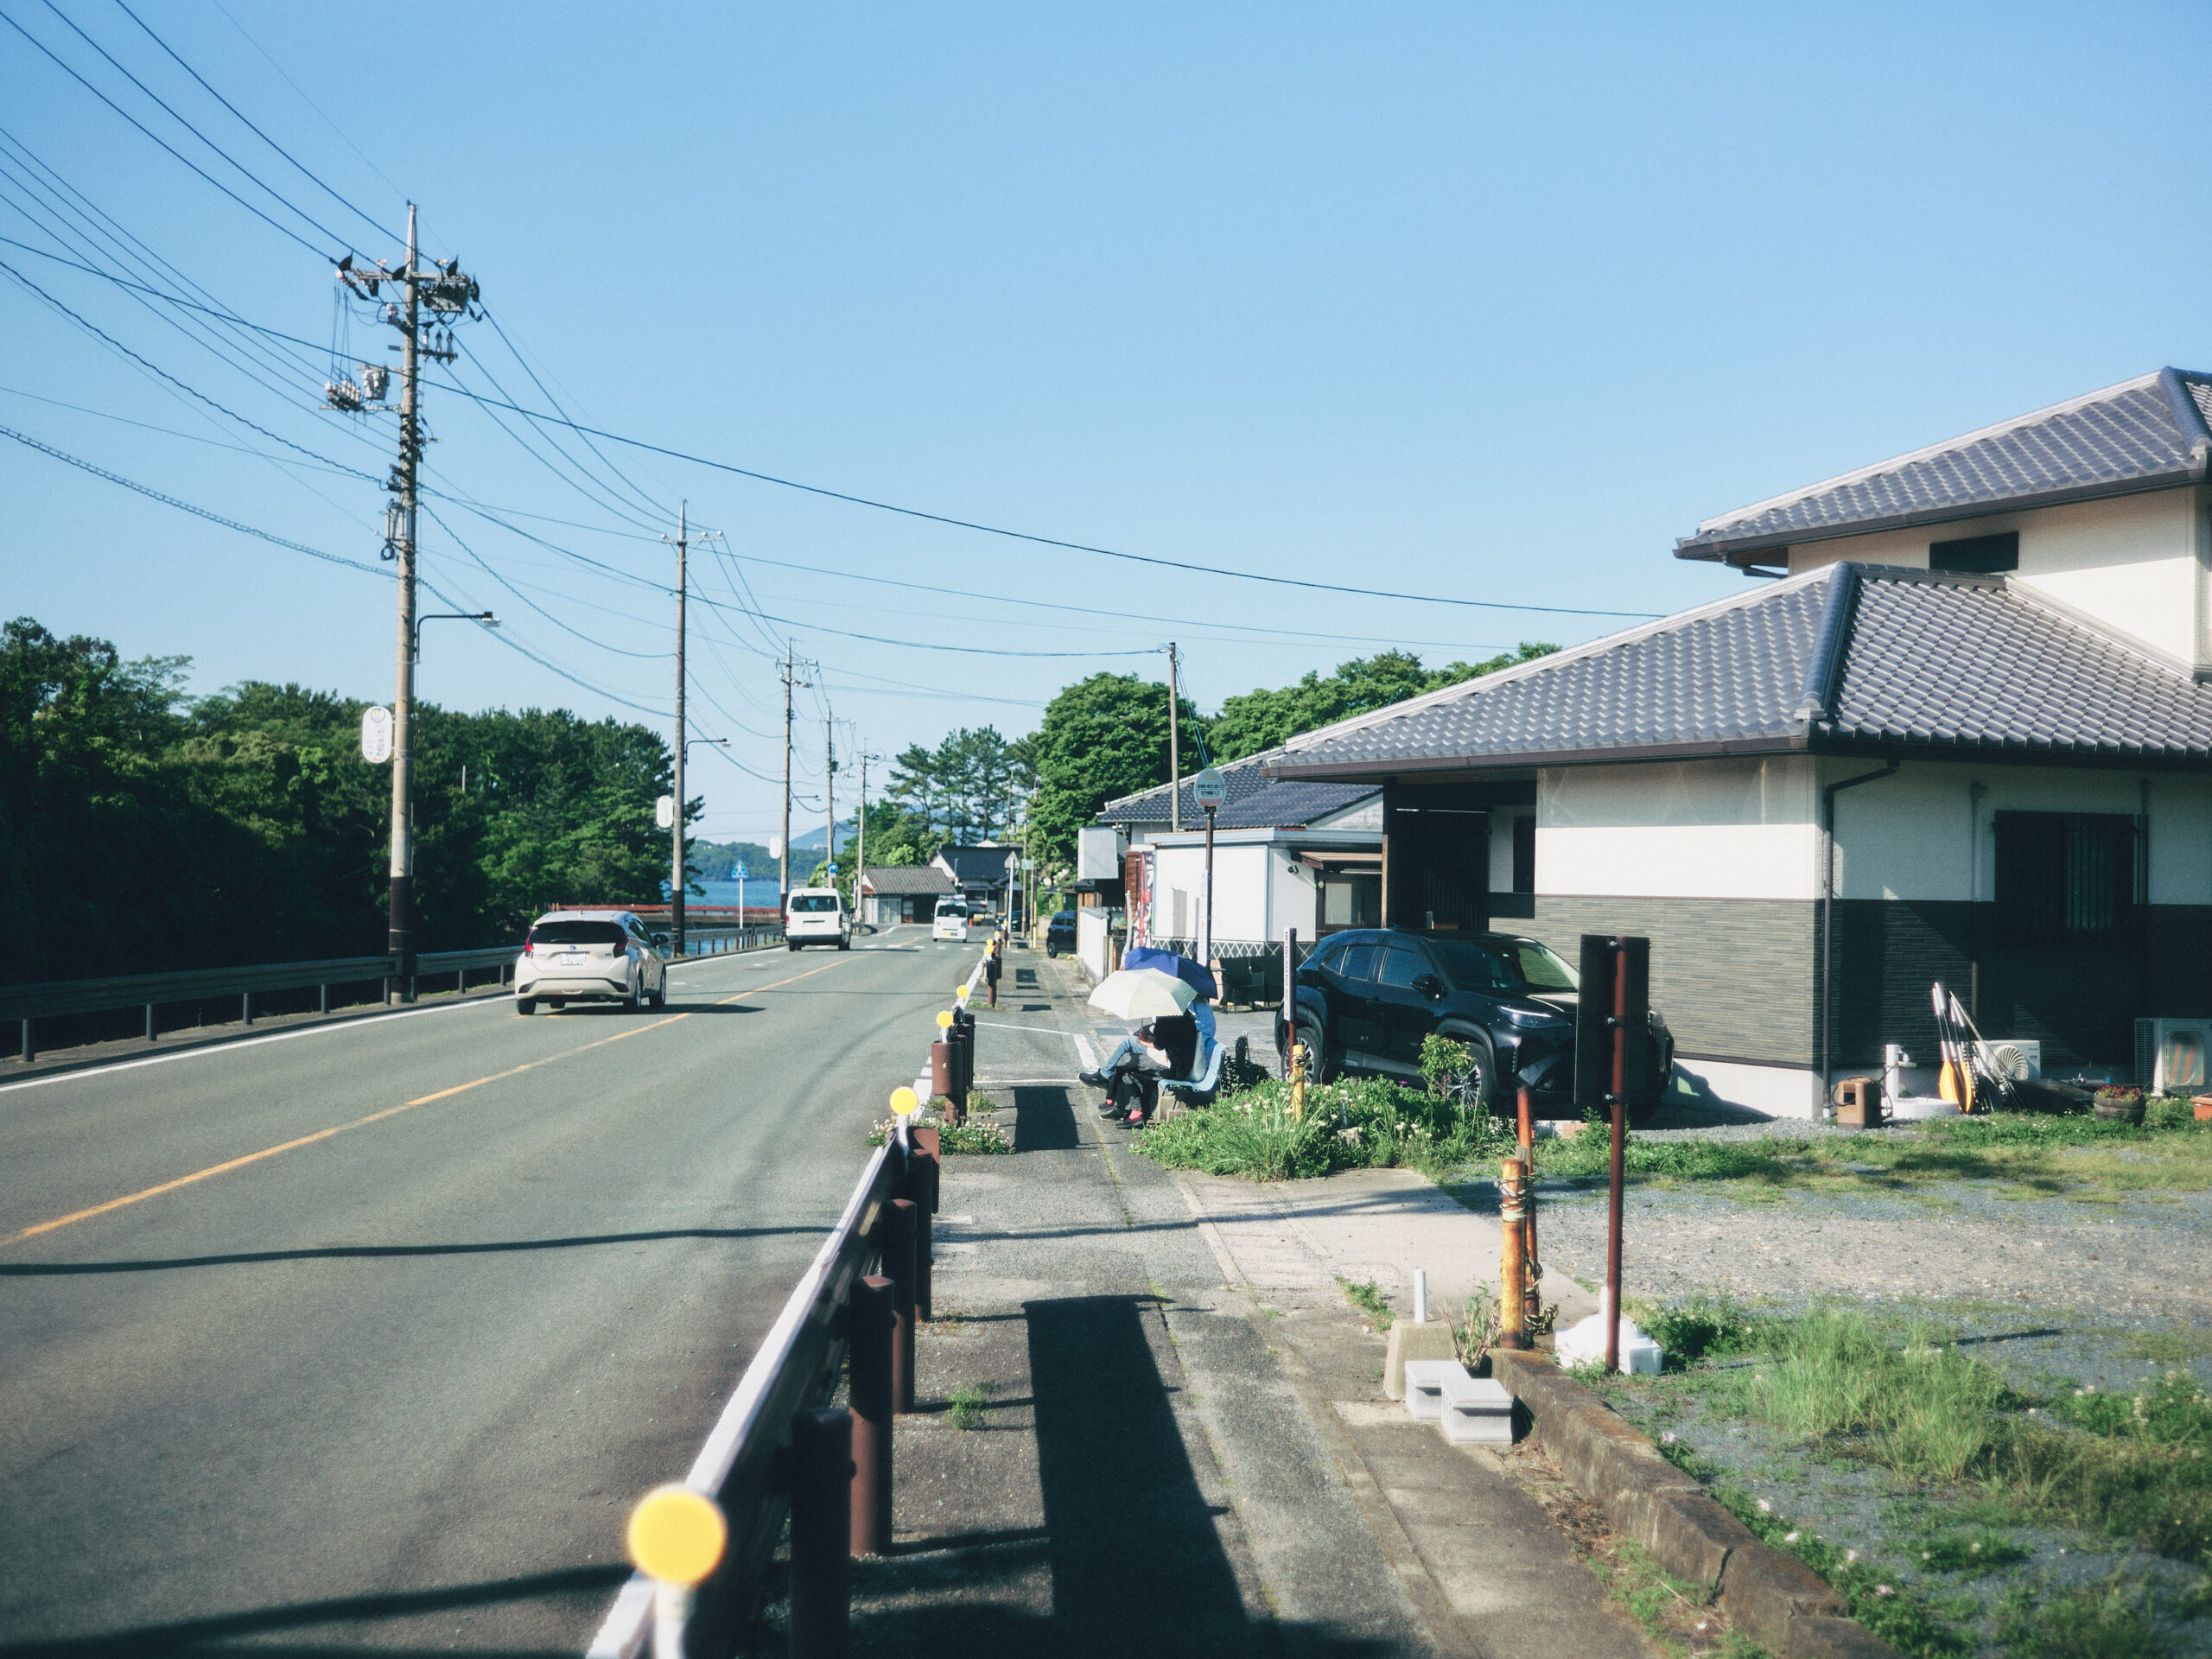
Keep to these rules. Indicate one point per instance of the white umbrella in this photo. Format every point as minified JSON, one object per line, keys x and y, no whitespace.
{"x":1143,"y":993}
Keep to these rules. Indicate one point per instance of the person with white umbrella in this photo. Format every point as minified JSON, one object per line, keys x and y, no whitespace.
{"x":1165,"y":1045}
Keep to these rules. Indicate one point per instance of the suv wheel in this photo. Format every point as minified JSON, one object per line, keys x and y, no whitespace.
{"x":1472,"y":1090}
{"x":1317,"y":1053}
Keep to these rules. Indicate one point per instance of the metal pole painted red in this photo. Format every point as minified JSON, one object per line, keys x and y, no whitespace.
{"x":870,"y":1311}
{"x":822,"y":1583}
{"x":899,"y":1226}
{"x":1618,"y":1172}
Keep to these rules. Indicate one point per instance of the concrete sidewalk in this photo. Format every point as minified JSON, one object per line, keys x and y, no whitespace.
{"x":1151,"y":1423}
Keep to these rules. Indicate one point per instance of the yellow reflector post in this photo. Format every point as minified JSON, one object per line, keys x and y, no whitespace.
{"x":944,"y":1021}
{"x":905,"y":1103}
{"x":675,"y":1534}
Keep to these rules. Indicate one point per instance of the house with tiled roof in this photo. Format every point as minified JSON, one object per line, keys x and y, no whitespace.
{"x":1286,"y":854}
{"x":1961,"y":732}
{"x":902,"y":892}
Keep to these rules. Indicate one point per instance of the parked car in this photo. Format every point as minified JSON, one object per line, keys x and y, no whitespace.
{"x":952,"y":920}
{"x":817,"y":916}
{"x":589,"y":956}
{"x":1368,"y":996}
{"x":1059,"y":933}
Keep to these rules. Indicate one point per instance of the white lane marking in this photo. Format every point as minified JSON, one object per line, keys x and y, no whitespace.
{"x":1084,"y":1052}
{"x":1005,"y":1024}
{"x":357,"y":1023}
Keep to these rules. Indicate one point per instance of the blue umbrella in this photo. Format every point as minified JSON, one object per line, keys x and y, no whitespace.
{"x":1195,"y":975}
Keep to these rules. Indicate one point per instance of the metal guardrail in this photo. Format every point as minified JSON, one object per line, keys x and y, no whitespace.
{"x":27,"y":1004}
{"x":740,"y":1465}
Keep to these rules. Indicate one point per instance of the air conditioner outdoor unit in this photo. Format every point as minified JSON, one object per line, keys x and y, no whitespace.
{"x":2170,"y":1054}
{"x":2016,"y":1058}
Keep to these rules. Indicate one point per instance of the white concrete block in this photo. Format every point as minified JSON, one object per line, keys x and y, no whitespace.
{"x":1426,"y":1381}
{"x":1477,"y":1412}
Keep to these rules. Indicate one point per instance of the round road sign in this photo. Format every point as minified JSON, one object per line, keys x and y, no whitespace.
{"x":1209,"y":789}
{"x":675,"y":1534}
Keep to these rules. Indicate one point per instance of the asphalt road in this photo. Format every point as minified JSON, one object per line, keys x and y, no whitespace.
{"x":363,"y":1339}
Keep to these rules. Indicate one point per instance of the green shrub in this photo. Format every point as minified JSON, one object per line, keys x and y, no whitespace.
{"x":1706,"y":1326}
{"x":1357,"y":1122}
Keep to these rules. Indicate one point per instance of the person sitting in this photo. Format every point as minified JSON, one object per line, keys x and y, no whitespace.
{"x":1164,"y":1047}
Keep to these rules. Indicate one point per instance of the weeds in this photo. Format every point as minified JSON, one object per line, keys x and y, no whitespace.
{"x":1360,"y":1122}
{"x":1476,"y":1331}
{"x":1955,"y":1552}
{"x":1368,"y":1297}
{"x":978,"y":1139}
{"x":2103,"y":1621}
{"x":1706,"y":1326}
{"x":969,"y":1406}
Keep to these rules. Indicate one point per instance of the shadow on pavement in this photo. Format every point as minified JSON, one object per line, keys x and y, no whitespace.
{"x":202,"y":1634}
{"x":1046,"y":1121}
{"x":347,"y":1252}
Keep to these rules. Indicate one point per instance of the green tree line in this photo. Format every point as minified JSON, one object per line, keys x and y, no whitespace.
{"x":142,"y":830}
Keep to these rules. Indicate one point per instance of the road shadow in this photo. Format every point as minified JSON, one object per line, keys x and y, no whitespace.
{"x":353,"y":1252}
{"x":203,"y":1635}
{"x":1044,"y":1122}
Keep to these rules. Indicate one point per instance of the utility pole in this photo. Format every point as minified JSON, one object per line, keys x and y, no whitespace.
{"x":829,"y":788}
{"x":1174,"y":743}
{"x":446,"y":293}
{"x":783,"y":876}
{"x":676,"y":834}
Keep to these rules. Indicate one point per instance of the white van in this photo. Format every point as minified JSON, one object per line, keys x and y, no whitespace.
{"x":952,"y":920}
{"x":817,"y":916}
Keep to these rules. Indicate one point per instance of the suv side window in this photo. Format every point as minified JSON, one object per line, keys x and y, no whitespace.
{"x":1357,"y":965}
{"x":1402,"y":965}
{"x":1324,"y":956}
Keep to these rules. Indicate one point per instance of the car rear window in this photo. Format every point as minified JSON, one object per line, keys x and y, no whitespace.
{"x":814,"y":901}
{"x":952,"y":910}
{"x":578,"y":933}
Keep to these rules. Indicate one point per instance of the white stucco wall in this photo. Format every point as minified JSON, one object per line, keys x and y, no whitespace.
{"x":1501,"y":845}
{"x":2133,"y":561}
{"x":1720,"y":829}
{"x":1928,"y":833}
{"x":1239,"y":891}
{"x":1291,"y":891}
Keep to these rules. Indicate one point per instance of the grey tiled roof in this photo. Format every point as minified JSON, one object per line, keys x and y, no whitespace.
{"x":2147,"y":433}
{"x":1848,"y":655}
{"x":978,"y":866}
{"x":906,"y":878}
{"x":1254,"y":801}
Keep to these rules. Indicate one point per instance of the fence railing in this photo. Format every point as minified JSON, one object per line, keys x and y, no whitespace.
{"x":27,"y":1004}
{"x":743,"y":1464}
{"x":1251,"y":969}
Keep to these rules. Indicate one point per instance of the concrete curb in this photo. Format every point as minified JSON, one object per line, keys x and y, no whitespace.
{"x":1773,"y":1598}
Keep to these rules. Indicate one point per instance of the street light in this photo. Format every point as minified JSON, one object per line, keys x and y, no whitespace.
{"x":483,"y":618}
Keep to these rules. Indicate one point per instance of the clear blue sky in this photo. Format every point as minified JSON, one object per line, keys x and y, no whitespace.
{"x":1481,"y":301}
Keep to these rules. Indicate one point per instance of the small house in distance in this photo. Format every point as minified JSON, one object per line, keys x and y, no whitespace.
{"x":1962,"y":733}
{"x":984,"y":876}
{"x":1307,"y":855}
{"x":902,"y":892}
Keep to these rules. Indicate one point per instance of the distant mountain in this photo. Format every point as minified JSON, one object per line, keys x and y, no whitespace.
{"x":815,"y":839}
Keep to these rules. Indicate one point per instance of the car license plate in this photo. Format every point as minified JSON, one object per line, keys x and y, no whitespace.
{"x":571,"y":959}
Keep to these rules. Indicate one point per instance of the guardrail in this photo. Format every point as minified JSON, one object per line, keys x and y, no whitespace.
{"x":27,"y":1004}
{"x":747,"y":1466}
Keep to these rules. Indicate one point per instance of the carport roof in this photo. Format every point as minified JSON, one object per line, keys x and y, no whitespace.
{"x":1851,"y":658}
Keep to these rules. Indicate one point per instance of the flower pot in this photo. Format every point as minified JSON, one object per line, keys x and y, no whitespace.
{"x":2203,"y":1107}
{"x":2120,"y":1111}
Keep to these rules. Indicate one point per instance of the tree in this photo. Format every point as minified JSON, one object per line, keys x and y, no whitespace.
{"x":1264,"y":718}
{"x":1101,"y":738}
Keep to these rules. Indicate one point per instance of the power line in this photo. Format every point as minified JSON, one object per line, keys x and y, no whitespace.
{"x":187,"y":506}
{"x":282,"y":230}
{"x":1053,"y":541}
{"x":366,"y":218}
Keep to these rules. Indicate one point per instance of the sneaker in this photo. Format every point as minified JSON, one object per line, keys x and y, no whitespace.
{"x":1093,"y":1079}
{"x":1136,"y":1119}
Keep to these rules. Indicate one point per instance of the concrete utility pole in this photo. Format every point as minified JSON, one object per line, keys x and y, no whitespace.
{"x":676,"y":834}
{"x":1175,"y":742}
{"x":829,"y":790}
{"x":446,"y":293}
{"x":784,"y":863}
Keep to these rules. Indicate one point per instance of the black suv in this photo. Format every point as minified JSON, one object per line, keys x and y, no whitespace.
{"x":1367,"y":996}
{"x":1059,"y":933}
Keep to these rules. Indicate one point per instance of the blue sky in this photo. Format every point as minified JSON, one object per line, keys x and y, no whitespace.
{"x":1488,"y":303}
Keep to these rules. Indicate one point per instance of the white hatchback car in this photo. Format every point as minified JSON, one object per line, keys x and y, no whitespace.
{"x":817,"y":916}
{"x":589,"y":956}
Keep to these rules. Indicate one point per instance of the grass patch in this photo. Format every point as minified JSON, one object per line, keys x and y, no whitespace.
{"x":2166,"y":1347}
{"x":969,"y":1406}
{"x":1355,"y":1123}
{"x":2103,"y":1621}
{"x":1368,"y":1297}
{"x":2027,"y":1154}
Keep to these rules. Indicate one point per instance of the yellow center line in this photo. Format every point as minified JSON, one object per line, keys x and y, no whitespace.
{"x":390,"y":1111}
